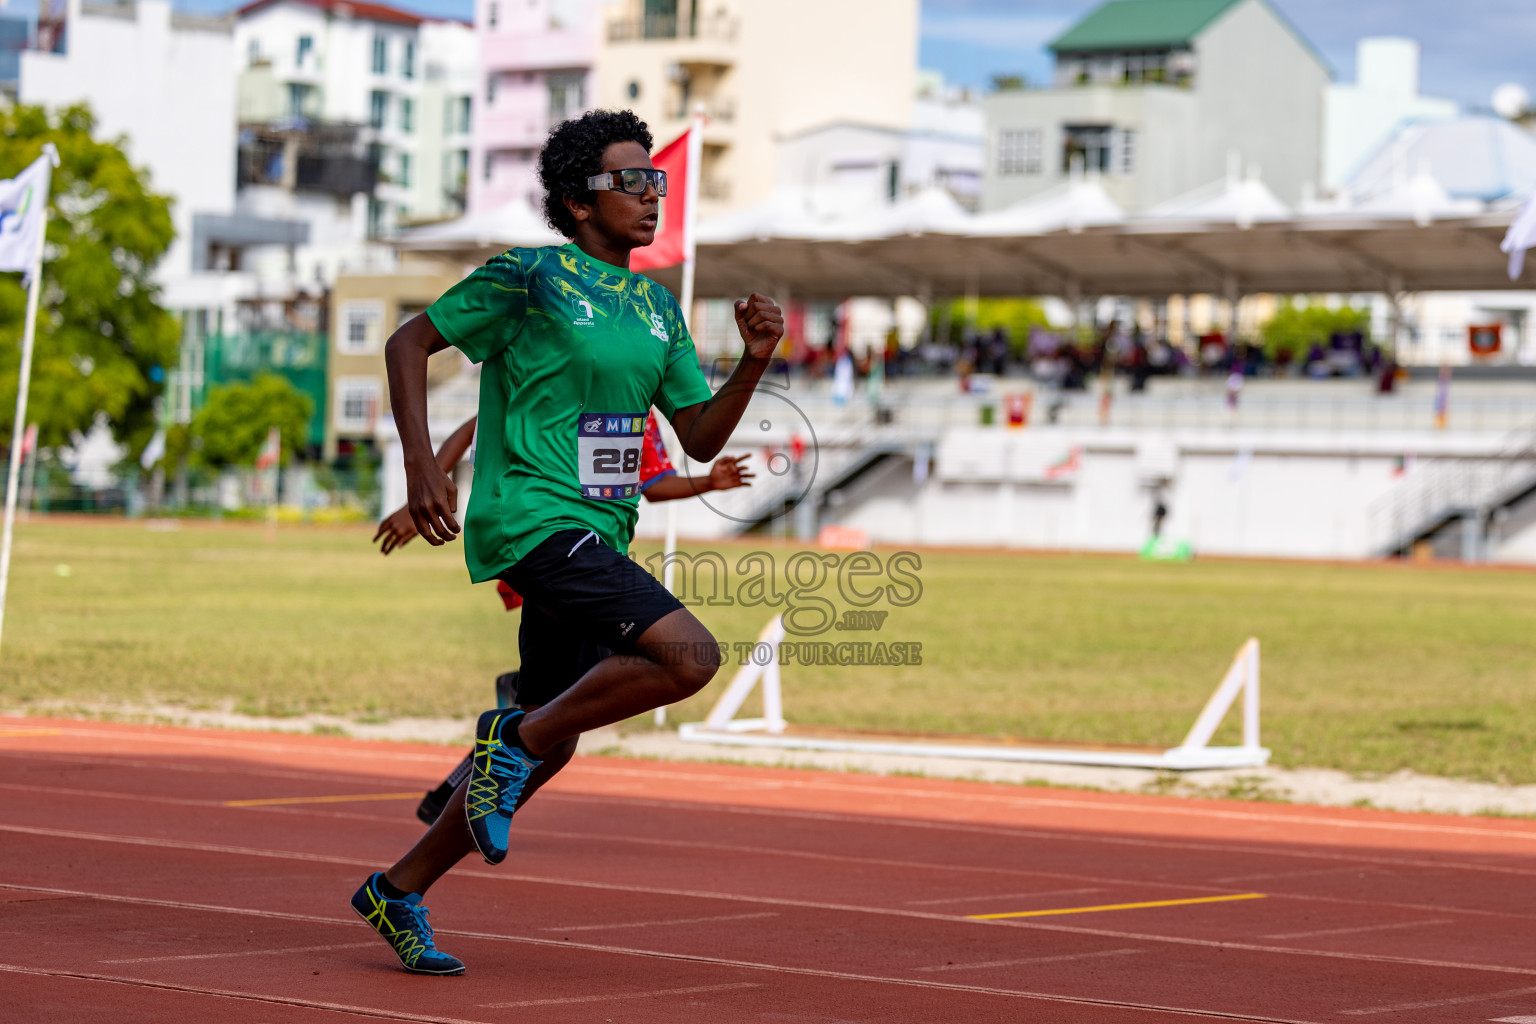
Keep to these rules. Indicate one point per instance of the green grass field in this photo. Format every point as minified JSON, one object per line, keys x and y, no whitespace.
{"x":1365,"y":668}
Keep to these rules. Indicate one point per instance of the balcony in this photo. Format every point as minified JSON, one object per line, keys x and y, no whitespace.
{"x":706,"y":40}
{"x":309,"y":156}
{"x":537,"y":51}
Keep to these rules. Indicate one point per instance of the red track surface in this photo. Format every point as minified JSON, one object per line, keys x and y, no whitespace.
{"x":131,"y":890}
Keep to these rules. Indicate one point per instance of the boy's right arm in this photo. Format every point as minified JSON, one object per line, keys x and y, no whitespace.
{"x":430,"y":494}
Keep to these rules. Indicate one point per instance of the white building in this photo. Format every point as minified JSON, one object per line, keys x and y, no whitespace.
{"x":1359,"y":116}
{"x":855,"y":164}
{"x":405,"y":80}
{"x":162,"y":80}
{"x":1154,"y":96}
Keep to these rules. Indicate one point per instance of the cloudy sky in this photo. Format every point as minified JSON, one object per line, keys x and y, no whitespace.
{"x":1469,"y":47}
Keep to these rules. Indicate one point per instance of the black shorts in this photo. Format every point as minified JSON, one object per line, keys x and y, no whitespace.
{"x":582,"y":601}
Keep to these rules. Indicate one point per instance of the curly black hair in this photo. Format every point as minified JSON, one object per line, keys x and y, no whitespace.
{"x":574,"y":153}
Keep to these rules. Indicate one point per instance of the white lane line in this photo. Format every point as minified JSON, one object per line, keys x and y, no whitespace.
{"x":251,"y":771}
{"x":1034,"y":924}
{"x":1031,"y":960}
{"x":615,"y":997}
{"x":1003,"y":896}
{"x":846,"y":859}
{"x":1230,"y":879}
{"x":1430,"y":1004}
{"x":842,"y":858}
{"x":227,"y":742}
{"x":1049,"y":997}
{"x":651,"y":924}
{"x":951,"y":795}
{"x":1528,"y":1019}
{"x":588,"y":765}
{"x":1023,"y":832}
{"x":255,"y":997}
{"x":1357,"y":929}
{"x":244,"y":952}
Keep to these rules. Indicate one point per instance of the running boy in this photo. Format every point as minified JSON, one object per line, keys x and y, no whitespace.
{"x":576,"y":350}
{"x":658,"y":482}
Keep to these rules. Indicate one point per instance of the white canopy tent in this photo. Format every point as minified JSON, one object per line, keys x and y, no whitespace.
{"x":1234,"y":200}
{"x":1230,"y":238}
{"x":1078,"y":204}
{"x":483,"y":235}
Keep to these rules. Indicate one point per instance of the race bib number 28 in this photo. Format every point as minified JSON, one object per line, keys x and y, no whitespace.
{"x":608,"y":449}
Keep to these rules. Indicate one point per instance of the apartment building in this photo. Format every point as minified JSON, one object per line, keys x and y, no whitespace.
{"x":1155,"y":96}
{"x":537,"y":68}
{"x":402,"y":81}
{"x":761,"y":71}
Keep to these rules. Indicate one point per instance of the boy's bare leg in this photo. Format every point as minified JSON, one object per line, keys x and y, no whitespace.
{"x":676,"y":657}
{"x":447,"y":841}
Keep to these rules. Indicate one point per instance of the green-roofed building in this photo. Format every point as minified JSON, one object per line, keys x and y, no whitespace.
{"x":1158,"y":98}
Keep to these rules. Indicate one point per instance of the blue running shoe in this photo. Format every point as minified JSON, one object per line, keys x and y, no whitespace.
{"x":495,"y":782}
{"x":403,"y":923}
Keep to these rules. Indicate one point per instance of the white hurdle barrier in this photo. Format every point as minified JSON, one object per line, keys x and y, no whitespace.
{"x":721,"y":725}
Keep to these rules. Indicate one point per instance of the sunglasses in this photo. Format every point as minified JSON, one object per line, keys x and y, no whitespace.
{"x":631,"y":181}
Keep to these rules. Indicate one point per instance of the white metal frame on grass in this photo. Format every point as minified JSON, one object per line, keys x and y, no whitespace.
{"x":723,"y":727}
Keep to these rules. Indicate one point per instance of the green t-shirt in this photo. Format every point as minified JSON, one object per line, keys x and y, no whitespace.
{"x":575,"y":353}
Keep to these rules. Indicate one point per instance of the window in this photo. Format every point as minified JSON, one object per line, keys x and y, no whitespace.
{"x":490,"y":90}
{"x":253,"y":52}
{"x":1019,"y":151}
{"x":361,"y":321}
{"x":357,"y":402}
{"x":1087,"y":147}
{"x":566,"y":94}
{"x":378,"y":107}
{"x":407,"y":114}
{"x":491,"y":11}
{"x":375,"y":218}
{"x":306,"y":47}
{"x":1125,"y":152}
{"x":461,"y":122}
{"x":490,"y":160}
{"x":380,"y":55}
{"x":408,"y":60}
{"x":405,"y":170}
{"x":300,"y":99}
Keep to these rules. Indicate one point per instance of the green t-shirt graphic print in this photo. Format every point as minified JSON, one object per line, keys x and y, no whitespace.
{"x":575,"y":353}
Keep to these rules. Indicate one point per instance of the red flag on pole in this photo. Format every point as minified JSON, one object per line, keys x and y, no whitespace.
{"x":270,"y":452}
{"x":671,"y":245}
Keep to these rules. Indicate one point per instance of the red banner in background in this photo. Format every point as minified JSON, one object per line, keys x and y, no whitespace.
{"x":669,"y":249}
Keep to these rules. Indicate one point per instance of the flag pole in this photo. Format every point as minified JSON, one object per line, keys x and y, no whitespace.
{"x":24,"y":384}
{"x":690,"y":218}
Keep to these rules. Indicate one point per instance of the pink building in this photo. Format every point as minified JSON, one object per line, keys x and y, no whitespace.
{"x":536,"y":68}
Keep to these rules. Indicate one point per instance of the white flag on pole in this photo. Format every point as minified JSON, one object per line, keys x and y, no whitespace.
{"x":1521,"y":236}
{"x":23,"y":200}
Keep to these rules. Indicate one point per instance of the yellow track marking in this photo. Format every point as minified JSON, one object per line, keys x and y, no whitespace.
{"x":31,"y":732}
{"x":1118,"y":906}
{"x":321,"y":799}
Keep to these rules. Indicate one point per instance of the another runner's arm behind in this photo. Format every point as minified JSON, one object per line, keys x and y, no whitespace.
{"x":430,"y":493}
{"x":724,"y":475}
{"x":397,"y":528}
{"x":703,"y":429}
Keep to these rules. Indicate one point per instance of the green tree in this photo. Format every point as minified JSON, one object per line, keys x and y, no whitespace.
{"x":103,"y":340}
{"x":1295,"y":330}
{"x":232,"y":425}
{"x":1017,"y":315}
